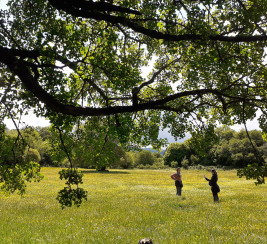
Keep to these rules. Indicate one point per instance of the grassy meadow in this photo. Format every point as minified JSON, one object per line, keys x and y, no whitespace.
{"x":126,"y":205}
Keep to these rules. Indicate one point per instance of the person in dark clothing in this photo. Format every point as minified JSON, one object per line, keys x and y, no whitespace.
{"x":214,"y":186}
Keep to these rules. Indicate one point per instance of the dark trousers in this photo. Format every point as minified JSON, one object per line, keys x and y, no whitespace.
{"x":179,"y":190}
{"x":215,"y":196}
{"x":179,"y":186}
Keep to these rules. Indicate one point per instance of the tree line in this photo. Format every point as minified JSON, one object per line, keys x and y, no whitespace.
{"x":228,"y":148}
{"x":92,"y":150}
{"x":88,"y":149}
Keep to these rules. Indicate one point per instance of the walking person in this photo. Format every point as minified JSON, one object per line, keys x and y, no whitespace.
{"x":177,"y":177}
{"x":214,"y":186}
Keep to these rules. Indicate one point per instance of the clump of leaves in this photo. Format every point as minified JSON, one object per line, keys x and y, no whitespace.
{"x":14,"y":177}
{"x":254,"y":171}
{"x":16,"y":167}
{"x":70,"y":195}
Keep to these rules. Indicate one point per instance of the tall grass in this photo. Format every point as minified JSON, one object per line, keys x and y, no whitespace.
{"x":126,"y":205}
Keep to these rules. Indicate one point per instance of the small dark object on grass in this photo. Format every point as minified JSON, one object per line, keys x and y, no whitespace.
{"x":145,"y":241}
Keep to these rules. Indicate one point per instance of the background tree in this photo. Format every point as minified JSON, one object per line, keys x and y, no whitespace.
{"x":144,"y":158}
{"x":125,"y":162}
{"x":228,"y":148}
{"x":44,"y":132}
{"x":32,"y":155}
{"x":235,"y":149}
{"x":176,"y":152}
{"x":33,"y":140}
{"x":89,"y":145}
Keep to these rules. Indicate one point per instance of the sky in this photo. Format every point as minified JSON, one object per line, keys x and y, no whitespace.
{"x":3,"y":4}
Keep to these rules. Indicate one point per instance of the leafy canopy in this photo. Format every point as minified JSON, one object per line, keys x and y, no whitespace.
{"x":86,"y":58}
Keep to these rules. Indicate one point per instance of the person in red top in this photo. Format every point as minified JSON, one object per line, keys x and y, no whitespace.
{"x":177,"y":177}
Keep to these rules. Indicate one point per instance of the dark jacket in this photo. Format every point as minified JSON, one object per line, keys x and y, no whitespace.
{"x":213,"y":183}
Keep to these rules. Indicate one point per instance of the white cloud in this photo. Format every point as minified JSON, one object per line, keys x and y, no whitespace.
{"x":3,"y":4}
{"x":30,"y":120}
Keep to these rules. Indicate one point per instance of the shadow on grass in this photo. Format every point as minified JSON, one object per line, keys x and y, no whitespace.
{"x":103,"y":172}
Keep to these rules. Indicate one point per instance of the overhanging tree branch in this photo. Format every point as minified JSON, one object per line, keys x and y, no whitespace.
{"x":94,"y":13}
{"x":21,"y":69}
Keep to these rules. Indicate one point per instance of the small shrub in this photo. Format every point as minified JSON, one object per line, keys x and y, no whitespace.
{"x":140,"y":166}
{"x":194,"y":159}
{"x":185,"y":163}
{"x":159,"y":164}
{"x":65,"y":163}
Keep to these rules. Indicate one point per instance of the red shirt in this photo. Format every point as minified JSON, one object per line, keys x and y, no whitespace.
{"x":176,"y":176}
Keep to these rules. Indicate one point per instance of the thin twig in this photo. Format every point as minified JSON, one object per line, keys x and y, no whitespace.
{"x":63,"y":144}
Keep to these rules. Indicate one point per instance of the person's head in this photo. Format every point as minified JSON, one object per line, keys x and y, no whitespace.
{"x":178,"y":170}
{"x":213,"y":171}
{"x":145,"y":241}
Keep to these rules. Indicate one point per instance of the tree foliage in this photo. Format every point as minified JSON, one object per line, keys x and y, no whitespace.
{"x":85,"y":58}
{"x":88,"y":145}
{"x":238,"y":151}
{"x":71,"y":195}
{"x":176,"y":152}
{"x":144,"y":157}
{"x":18,"y":163}
{"x":229,"y":149}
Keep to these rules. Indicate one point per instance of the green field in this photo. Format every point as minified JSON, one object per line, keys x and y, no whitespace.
{"x":126,"y":205}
